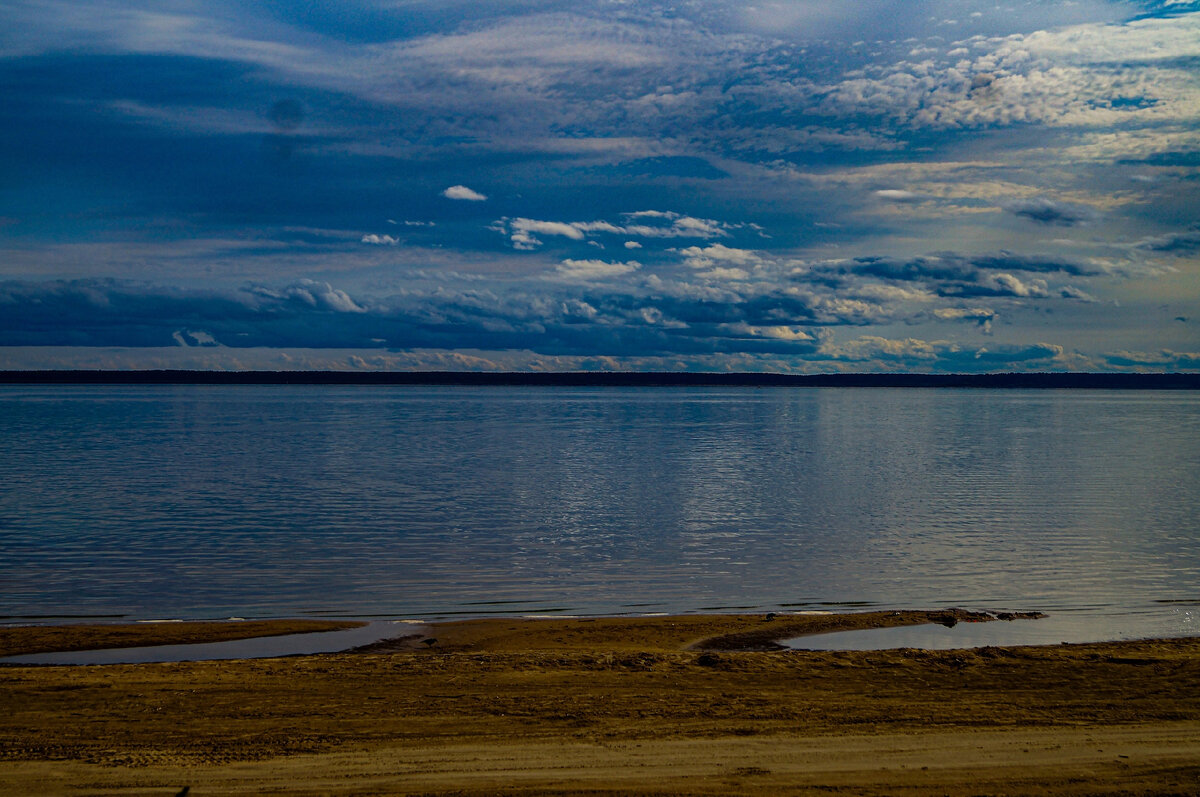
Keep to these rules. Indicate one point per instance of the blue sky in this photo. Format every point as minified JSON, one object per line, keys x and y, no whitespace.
{"x":793,"y":185}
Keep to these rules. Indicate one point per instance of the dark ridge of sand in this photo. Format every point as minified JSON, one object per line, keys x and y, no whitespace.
{"x":22,"y":640}
{"x":633,"y":706}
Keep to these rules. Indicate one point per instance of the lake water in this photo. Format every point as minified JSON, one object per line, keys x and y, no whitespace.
{"x":390,"y":502}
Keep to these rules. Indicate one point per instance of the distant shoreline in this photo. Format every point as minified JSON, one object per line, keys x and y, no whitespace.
{"x":1044,"y":381}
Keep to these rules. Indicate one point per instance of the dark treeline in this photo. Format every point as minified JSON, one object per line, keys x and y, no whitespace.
{"x":1105,"y":381}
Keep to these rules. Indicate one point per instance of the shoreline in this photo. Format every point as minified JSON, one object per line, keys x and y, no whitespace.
{"x":712,"y":632}
{"x":633,"y":706}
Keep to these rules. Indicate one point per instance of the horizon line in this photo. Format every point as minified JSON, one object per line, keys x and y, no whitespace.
{"x":1011,"y":379}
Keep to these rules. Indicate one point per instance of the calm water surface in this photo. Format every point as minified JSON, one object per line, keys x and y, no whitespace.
{"x":207,"y":501}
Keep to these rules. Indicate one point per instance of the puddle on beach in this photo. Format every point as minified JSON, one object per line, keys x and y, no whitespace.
{"x":1046,"y":631}
{"x":255,"y":648}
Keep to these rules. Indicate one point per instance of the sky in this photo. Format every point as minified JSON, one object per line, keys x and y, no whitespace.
{"x":788,"y":185}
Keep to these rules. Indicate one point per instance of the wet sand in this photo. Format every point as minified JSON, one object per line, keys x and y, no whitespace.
{"x":660,"y":705}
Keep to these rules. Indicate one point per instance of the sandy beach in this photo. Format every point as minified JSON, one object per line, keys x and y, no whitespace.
{"x":696,"y":704}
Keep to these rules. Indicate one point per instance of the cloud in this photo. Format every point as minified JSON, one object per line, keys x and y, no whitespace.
{"x":1091,"y":75}
{"x":1047,"y":211}
{"x":192,"y":337}
{"x":786,"y":333}
{"x":591,"y":270}
{"x":598,"y":309}
{"x":584,"y":319}
{"x":523,"y":232}
{"x":977,"y":315}
{"x":1180,"y":244}
{"x":1000,"y":285}
{"x":1162,"y":360}
{"x":317,"y":295}
{"x":951,"y":274}
{"x":897,"y":195}
{"x":707,"y":257}
{"x":858,"y":139}
{"x":872,"y":352}
{"x":462,"y":192}
{"x":380,"y":240}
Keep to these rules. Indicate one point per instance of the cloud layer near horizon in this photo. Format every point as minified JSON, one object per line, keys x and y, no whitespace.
{"x":794,"y":185}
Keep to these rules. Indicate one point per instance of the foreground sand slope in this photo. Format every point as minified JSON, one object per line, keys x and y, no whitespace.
{"x":1075,"y":761}
{"x":606,"y":710}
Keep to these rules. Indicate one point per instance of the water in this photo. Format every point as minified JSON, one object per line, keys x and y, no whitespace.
{"x":207,"y":501}
{"x":253,"y":648}
{"x":1067,"y":626}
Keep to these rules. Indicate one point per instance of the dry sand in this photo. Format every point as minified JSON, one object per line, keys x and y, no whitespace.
{"x":669,"y":705}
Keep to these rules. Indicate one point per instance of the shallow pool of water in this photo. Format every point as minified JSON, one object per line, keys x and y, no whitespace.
{"x":1054,"y":630}
{"x":256,"y":648}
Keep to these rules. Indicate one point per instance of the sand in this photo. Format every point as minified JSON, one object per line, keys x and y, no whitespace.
{"x":668,"y":705}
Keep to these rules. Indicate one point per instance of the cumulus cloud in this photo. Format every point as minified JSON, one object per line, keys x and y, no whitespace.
{"x":317,"y":295}
{"x":522,"y":231}
{"x":462,"y":192}
{"x":1001,"y":285}
{"x":380,"y":240}
{"x":786,"y":333}
{"x":708,"y":256}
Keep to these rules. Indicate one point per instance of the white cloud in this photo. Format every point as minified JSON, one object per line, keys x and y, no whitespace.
{"x":193,"y":337}
{"x":320,"y":295}
{"x":1093,"y":75}
{"x":897,"y":195}
{"x":591,"y":270}
{"x":462,"y":192}
{"x":960,"y":313}
{"x":1008,"y":284}
{"x":789,"y":333}
{"x":380,"y":240}
{"x":680,"y":226}
{"x":722,"y":256}
{"x":523,"y":232}
{"x":977,"y":315}
{"x":725,"y":273}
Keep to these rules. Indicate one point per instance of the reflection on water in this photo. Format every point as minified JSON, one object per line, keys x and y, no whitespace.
{"x":1065,"y":627}
{"x":205,"y":501}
